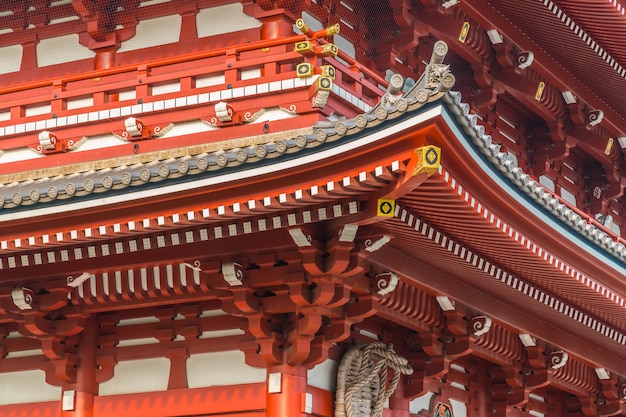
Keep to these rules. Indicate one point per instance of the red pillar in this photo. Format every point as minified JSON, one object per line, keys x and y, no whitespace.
{"x":482,"y":388}
{"x":286,"y":390}
{"x":398,"y":404}
{"x":276,"y":27}
{"x":29,"y":55}
{"x":105,"y":58}
{"x":178,"y":368}
{"x":86,"y":386}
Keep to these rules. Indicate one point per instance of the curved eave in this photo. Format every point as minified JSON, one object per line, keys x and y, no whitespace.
{"x":525,"y":230}
{"x":442,"y":224}
{"x":224,"y":199}
{"x":314,"y":162}
{"x":469,"y":202}
{"x":498,"y":183}
{"x":522,"y":203}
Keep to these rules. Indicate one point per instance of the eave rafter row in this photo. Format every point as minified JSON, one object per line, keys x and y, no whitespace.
{"x":256,"y":212}
{"x":135,"y":285}
{"x":507,"y":164}
{"x":528,"y":245}
{"x":523,"y":287}
{"x":174,"y":238}
{"x":589,"y":40}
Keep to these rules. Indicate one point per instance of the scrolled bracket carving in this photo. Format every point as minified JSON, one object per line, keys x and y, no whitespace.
{"x":374,"y":245}
{"x":594,"y":117}
{"x":23,"y":298}
{"x":49,"y":143}
{"x":385,"y":283}
{"x":558,"y":359}
{"x":135,"y":129}
{"x":524,"y":59}
{"x":233,"y":273}
{"x":195,"y":266}
{"x":79,"y":280}
{"x":224,"y":112}
{"x":480,"y":325}
{"x":348,"y":233}
{"x":300,"y":238}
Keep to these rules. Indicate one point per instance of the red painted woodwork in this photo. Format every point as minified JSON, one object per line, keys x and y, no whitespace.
{"x":289,"y":400}
{"x":245,"y":401}
{"x":310,"y":267}
{"x":50,"y":409}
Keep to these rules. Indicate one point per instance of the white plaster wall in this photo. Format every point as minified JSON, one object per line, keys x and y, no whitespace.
{"x":11,"y":58}
{"x":60,"y":50}
{"x":221,"y":368}
{"x":324,"y":375}
{"x":224,"y":19}
{"x":421,"y":403}
{"x":27,"y":387}
{"x":154,"y":32}
{"x":144,"y":375}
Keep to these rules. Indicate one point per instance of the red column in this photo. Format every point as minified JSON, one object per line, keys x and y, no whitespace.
{"x":276,"y":27}
{"x":286,"y":390}
{"x":86,"y":386}
{"x":482,"y":388}
{"x":29,"y":55}
{"x":105,"y":57}
{"x":178,"y":368}
{"x":398,"y":404}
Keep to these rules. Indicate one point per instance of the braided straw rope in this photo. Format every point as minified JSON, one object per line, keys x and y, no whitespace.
{"x":362,"y":379}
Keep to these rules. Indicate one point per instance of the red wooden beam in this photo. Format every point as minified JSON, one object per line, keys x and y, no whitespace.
{"x":236,"y":400}
{"x":513,"y":310}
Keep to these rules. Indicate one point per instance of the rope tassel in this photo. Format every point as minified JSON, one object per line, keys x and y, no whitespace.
{"x":362,"y":387}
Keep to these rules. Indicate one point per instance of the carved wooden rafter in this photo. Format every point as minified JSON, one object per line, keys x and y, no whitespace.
{"x":502,"y":344}
{"x":523,"y":369}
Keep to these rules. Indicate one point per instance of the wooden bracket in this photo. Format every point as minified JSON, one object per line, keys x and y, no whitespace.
{"x":135,"y":130}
